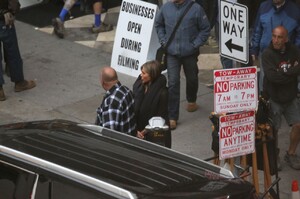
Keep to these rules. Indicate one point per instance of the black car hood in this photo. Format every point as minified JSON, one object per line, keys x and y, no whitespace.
{"x":148,"y":170}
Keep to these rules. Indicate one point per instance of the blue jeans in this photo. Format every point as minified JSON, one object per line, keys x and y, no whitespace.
{"x":190,"y":69}
{"x":226,"y":62}
{"x":8,"y":38}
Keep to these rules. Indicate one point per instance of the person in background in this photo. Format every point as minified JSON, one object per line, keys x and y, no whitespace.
{"x":210,"y":8}
{"x":151,"y":98}
{"x":271,"y":14}
{"x":117,"y":108}
{"x":183,"y":50}
{"x":98,"y":26}
{"x":8,"y":37}
{"x":281,"y":63}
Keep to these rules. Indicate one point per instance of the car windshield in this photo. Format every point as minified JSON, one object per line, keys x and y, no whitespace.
{"x":15,"y":182}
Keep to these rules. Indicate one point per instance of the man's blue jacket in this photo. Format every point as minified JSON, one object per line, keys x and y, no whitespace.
{"x":269,"y":17}
{"x":192,"y":32}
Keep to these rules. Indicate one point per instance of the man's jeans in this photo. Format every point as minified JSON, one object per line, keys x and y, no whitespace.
{"x":227,"y":63}
{"x":8,"y":38}
{"x":190,"y":68}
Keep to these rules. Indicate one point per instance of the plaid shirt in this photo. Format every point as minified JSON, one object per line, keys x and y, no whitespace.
{"x":117,"y":110}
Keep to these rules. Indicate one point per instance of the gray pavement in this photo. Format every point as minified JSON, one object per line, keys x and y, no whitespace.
{"x":68,"y":88}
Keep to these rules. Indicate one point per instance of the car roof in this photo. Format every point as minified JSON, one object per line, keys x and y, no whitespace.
{"x":104,"y":155}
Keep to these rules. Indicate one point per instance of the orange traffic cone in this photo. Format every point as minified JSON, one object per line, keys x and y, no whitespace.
{"x":295,"y":190}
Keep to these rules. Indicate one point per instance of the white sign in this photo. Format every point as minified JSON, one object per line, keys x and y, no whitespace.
{"x":134,"y":36}
{"x":234,"y":31}
{"x":235,"y":89}
{"x":237,"y":135}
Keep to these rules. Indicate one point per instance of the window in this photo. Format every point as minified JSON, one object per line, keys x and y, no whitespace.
{"x":56,"y":188}
{"x":15,"y":182}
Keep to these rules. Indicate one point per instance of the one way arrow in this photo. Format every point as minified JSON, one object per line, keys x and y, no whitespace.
{"x":231,"y":46}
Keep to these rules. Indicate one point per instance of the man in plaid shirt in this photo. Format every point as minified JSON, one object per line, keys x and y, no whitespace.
{"x":117,"y":108}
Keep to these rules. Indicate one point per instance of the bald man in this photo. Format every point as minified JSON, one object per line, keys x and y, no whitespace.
{"x":117,"y":108}
{"x":281,"y":66}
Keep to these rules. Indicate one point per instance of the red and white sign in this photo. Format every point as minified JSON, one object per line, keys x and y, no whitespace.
{"x":237,"y":134}
{"x":235,"y":90}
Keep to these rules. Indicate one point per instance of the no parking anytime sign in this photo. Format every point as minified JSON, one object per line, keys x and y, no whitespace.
{"x":235,"y":90}
{"x":237,"y":134}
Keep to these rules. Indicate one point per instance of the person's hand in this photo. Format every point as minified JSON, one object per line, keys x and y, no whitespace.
{"x":140,"y":134}
{"x":9,"y":18}
{"x":293,"y":70}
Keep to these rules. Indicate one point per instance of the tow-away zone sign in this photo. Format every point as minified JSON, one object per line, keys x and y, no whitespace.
{"x":235,"y":90}
{"x":237,"y":135}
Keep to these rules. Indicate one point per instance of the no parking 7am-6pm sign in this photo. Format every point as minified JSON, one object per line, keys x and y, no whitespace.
{"x":235,"y":90}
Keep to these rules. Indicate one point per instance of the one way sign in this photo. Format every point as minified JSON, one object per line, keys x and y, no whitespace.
{"x":234,"y":31}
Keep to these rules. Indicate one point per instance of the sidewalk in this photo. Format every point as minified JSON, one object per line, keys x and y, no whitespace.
{"x":66,"y":72}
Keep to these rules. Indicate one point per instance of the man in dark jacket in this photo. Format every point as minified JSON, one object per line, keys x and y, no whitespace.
{"x":183,"y":50}
{"x":281,"y":62}
{"x":8,"y":37}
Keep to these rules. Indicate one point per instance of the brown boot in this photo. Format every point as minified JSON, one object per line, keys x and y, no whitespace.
{"x":173,"y":124}
{"x":24,"y":85}
{"x":192,"y":107}
{"x":2,"y":95}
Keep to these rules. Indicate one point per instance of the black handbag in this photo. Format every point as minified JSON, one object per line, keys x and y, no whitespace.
{"x":161,"y":53}
{"x":161,"y":57}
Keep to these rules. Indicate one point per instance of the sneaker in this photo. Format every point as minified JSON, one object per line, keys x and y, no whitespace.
{"x":24,"y":85}
{"x":102,"y":28}
{"x":173,"y":124}
{"x":192,"y":107}
{"x":2,"y":95}
{"x":292,"y":160}
{"x":59,"y":28}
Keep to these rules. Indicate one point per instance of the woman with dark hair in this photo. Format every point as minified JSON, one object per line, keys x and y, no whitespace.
{"x":151,"y":98}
